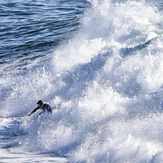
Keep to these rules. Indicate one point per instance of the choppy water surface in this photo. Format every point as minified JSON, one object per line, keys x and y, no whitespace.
{"x":29,"y":28}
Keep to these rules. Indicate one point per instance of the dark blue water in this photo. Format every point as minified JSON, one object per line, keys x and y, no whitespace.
{"x":31,"y":26}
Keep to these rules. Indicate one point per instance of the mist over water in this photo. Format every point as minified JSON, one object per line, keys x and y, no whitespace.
{"x":104,"y":84}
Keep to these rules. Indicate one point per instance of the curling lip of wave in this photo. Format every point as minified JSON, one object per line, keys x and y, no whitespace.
{"x":86,"y":71}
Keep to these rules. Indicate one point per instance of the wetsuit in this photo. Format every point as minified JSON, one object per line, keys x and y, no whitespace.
{"x":45,"y":108}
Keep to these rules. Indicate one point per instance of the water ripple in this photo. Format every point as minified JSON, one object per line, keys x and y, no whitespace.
{"x":35,"y":26}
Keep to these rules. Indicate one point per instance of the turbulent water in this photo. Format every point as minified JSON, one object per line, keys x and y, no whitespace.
{"x":99,"y":64}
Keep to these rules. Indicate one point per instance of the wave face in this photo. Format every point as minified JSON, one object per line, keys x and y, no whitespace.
{"x":105,"y":87}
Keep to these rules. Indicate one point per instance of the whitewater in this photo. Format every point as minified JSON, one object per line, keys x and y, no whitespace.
{"x":103,"y":82}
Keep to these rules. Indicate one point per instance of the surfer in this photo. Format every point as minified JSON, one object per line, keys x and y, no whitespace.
{"x":44,"y":107}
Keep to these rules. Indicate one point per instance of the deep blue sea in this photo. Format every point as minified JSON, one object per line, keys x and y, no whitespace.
{"x":98,"y":64}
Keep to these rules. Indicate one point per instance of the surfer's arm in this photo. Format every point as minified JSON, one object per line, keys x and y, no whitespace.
{"x":40,"y":114}
{"x":34,"y":111}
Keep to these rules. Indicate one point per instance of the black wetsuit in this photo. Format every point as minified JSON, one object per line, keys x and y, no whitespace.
{"x":45,"y":108}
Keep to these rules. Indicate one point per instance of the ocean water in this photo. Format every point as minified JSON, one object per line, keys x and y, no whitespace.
{"x":99,"y":64}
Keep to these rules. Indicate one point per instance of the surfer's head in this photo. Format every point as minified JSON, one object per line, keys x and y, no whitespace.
{"x":40,"y":102}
